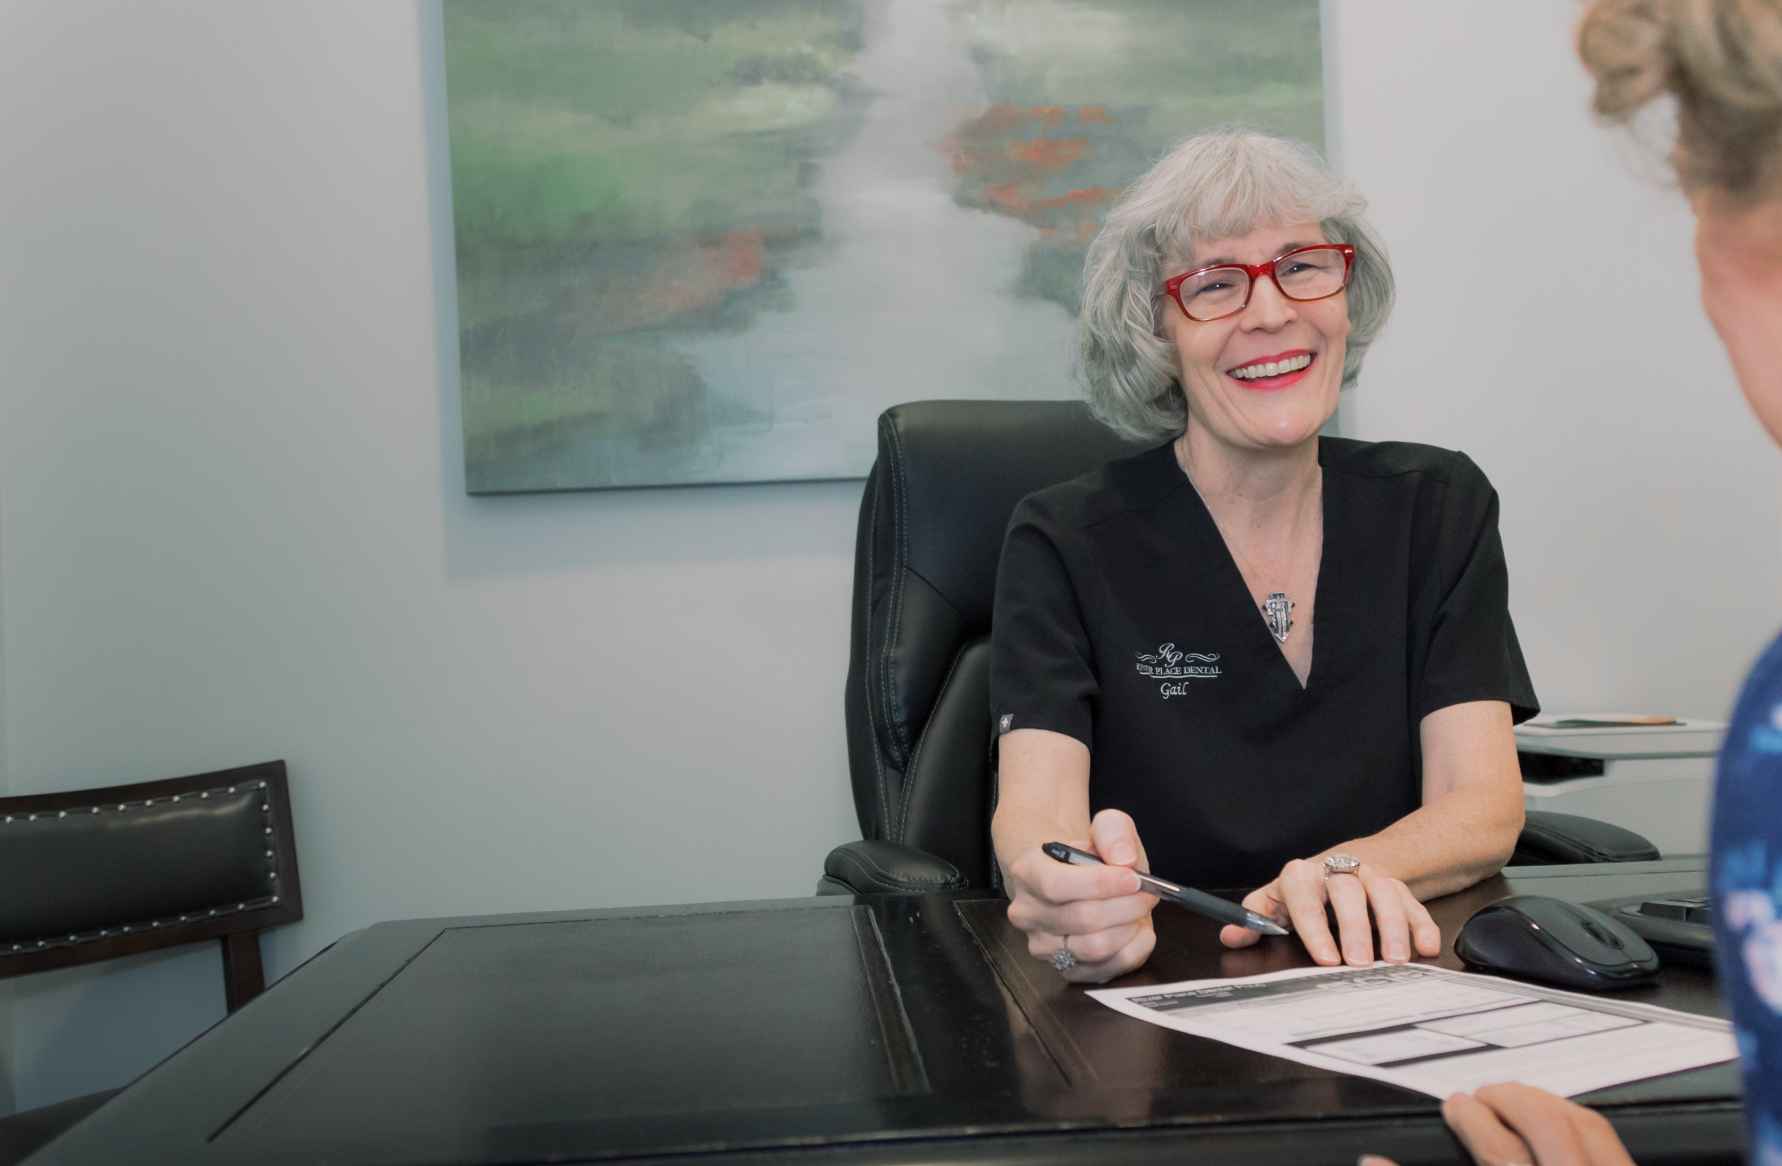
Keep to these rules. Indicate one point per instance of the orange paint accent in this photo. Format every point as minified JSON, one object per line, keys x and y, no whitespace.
{"x":695,"y":276}
{"x":999,"y":117}
{"x":1049,"y":153}
{"x":1086,"y":196}
{"x":1008,"y":196}
{"x":1002,"y":117}
{"x":739,"y":257}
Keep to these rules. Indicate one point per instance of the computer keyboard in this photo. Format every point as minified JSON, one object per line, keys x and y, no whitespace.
{"x":1678,"y":924}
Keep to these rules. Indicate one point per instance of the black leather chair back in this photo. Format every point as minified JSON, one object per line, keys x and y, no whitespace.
{"x":94,"y":874}
{"x":937,"y":501}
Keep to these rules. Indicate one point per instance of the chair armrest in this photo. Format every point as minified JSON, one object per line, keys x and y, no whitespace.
{"x":872,"y":867}
{"x":1551,"y":839}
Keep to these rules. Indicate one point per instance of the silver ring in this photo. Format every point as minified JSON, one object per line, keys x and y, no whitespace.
{"x":1335,"y":864}
{"x":1062,"y":960}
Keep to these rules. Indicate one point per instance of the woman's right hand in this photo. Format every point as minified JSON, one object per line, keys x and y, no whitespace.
{"x":1513,"y":1123}
{"x":1098,"y":913}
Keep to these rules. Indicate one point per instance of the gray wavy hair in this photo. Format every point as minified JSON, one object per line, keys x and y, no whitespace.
{"x":1211,"y":186}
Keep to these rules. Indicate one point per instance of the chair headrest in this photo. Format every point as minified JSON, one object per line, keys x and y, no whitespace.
{"x":956,"y":469}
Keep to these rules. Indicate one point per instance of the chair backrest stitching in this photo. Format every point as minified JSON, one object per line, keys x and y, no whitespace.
{"x":872,"y":735}
{"x":878,"y":652}
{"x":909,"y":774}
{"x":901,"y":528}
{"x":898,"y":738}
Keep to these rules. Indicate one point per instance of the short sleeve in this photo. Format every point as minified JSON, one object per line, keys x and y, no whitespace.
{"x":1470,"y":651}
{"x":1041,"y":662}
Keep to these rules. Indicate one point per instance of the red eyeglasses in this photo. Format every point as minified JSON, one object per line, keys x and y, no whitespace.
{"x":1223,"y":289}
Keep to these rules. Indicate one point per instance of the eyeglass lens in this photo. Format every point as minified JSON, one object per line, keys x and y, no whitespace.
{"x":1301,"y":275}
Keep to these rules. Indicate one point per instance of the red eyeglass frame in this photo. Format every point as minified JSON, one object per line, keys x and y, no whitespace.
{"x":1172,"y":287}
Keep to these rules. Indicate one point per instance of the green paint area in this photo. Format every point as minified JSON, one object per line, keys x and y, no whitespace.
{"x":576,"y":122}
{"x":620,"y":168}
{"x":633,"y":181}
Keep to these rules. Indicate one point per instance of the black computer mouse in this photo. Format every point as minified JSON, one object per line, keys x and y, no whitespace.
{"x":1532,"y":937}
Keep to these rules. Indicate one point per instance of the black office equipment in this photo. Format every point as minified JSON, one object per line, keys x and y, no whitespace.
{"x":1534,"y":937}
{"x":1679,"y":924}
{"x":1549,"y":838}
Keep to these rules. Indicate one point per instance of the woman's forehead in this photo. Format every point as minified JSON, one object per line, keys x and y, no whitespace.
{"x":1255,"y":245}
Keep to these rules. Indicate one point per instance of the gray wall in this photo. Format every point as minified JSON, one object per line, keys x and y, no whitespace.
{"x":233,"y":526}
{"x":1548,"y":325}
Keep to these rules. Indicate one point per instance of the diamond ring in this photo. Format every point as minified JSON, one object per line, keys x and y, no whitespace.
{"x":1062,"y":960}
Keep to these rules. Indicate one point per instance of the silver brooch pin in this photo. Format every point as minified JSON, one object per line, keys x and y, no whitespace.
{"x":1277,"y":613}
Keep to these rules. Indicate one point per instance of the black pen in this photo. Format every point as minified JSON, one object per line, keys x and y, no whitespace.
{"x":1199,"y":902}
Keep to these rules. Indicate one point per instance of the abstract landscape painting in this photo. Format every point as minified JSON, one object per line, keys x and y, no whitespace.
{"x":706,"y":241}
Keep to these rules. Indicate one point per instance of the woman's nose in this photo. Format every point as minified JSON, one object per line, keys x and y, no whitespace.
{"x":1268,"y":309}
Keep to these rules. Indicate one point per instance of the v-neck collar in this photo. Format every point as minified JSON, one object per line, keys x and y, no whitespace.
{"x":1163,"y":477}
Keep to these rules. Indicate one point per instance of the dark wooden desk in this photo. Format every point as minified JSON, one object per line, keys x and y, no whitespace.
{"x":877,"y":1030}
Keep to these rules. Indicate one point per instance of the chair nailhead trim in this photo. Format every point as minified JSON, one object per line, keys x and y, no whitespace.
{"x":268,"y":900}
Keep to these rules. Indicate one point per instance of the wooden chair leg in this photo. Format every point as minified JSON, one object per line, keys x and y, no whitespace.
{"x":243,"y":977}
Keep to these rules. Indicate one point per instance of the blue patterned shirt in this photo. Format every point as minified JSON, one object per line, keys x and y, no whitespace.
{"x":1746,"y":873}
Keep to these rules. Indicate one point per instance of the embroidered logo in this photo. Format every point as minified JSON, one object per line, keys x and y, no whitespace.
{"x":1173,"y":668}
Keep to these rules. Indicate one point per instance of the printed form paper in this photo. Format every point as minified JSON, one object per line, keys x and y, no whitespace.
{"x":1433,"y":1030}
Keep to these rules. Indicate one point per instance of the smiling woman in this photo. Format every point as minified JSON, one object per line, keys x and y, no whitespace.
{"x":1207,"y":191}
{"x":1347,"y":743}
{"x":1231,"y":374}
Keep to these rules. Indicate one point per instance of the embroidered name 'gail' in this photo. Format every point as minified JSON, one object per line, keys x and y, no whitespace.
{"x":1175,"y":668}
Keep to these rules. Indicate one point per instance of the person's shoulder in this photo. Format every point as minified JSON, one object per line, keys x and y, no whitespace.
{"x":1402,"y":459}
{"x":1762,"y":691}
{"x":1090,"y":498}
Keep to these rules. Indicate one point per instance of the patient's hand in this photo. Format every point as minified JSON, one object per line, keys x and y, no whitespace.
{"x":1363,"y":902}
{"x":1097,"y":913}
{"x":1503,"y":1124}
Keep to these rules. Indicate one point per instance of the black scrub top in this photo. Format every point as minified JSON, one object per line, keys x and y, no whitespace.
{"x":1122,"y":620}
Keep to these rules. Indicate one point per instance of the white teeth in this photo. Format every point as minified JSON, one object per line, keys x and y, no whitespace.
{"x":1273,"y":368}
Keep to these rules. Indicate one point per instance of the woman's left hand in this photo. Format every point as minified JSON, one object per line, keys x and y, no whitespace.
{"x":1363,"y":902}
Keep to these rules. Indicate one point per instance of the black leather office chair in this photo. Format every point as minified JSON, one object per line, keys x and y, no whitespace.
{"x":94,"y":874}
{"x":947,"y":477}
